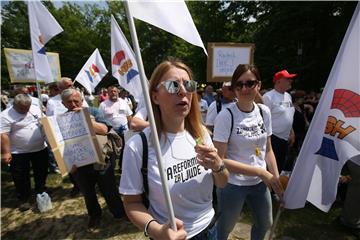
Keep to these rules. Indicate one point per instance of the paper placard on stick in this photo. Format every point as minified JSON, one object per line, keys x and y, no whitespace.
{"x":72,"y":140}
{"x":21,"y":69}
{"x":225,"y":57}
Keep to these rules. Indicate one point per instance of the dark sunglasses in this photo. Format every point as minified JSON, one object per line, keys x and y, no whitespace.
{"x":173,"y":86}
{"x":248,"y":84}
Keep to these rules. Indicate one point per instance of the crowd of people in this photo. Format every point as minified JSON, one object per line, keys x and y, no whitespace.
{"x":220,"y":149}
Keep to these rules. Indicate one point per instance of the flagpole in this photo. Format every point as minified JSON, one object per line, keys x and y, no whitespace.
{"x":276,"y":220}
{"x":36,"y":81}
{"x":154,"y":134}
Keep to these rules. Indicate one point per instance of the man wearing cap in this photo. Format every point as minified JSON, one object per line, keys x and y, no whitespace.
{"x":282,"y":115}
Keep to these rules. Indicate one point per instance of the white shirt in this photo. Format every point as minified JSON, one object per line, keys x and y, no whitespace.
{"x":282,"y":112}
{"x":54,"y":106}
{"x":23,"y":129}
{"x":141,"y":113}
{"x":250,"y":131}
{"x":212,"y":112}
{"x":203,"y":109}
{"x":115,"y":112}
{"x":190,"y":185}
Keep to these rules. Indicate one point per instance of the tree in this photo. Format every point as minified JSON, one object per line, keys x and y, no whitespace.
{"x":303,"y":37}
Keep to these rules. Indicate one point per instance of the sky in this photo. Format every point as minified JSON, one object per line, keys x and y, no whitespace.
{"x":59,"y":3}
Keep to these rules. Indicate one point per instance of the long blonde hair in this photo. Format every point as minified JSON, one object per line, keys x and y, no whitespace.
{"x":193,"y":120}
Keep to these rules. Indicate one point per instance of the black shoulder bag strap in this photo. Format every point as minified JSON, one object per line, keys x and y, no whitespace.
{"x":261,"y":112}
{"x":218,"y":105}
{"x":232,"y":122}
{"x":144,"y":168}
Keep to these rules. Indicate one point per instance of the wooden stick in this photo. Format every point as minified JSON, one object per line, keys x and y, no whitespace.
{"x":273,"y":227}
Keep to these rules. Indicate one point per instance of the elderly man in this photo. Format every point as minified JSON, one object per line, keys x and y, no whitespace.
{"x":87,"y":176}
{"x":282,"y":116}
{"x":23,"y":145}
{"x":116,"y":110}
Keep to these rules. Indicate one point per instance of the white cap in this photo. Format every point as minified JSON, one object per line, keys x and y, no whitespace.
{"x":227,"y":84}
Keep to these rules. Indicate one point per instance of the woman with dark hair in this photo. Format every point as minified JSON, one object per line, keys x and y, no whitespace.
{"x":191,"y":169}
{"x":242,"y":136}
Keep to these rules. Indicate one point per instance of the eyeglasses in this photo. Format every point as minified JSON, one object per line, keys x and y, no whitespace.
{"x":248,"y":84}
{"x":173,"y":86}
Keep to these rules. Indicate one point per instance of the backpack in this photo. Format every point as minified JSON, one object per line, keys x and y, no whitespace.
{"x":110,"y":145}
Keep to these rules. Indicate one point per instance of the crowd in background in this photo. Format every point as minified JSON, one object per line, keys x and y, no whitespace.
{"x":120,"y":111}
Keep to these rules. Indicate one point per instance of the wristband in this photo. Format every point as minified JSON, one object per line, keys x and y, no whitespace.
{"x":221,"y":168}
{"x":147,"y":226}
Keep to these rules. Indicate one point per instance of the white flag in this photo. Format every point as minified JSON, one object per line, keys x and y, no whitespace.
{"x":92,"y":72}
{"x":334,"y":133}
{"x":43,"y":27}
{"x":172,"y":16}
{"x":123,"y":62}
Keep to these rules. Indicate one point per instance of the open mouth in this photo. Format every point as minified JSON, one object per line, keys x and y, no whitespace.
{"x":182,"y":103}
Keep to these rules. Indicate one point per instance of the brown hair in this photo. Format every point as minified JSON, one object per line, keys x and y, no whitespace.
{"x":241,"y":69}
{"x":193,"y":120}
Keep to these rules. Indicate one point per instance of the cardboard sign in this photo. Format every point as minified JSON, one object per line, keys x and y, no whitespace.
{"x":21,"y":65}
{"x":225,"y":57}
{"x":72,"y":140}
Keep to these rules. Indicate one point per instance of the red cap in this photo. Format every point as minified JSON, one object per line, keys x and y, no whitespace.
{"x":283,"y":74}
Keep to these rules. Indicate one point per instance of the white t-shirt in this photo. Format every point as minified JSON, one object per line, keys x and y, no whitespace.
{"x":203,"y":109}
{"x":282,"y":112}
{"x":141,"y":113}
{"x":190,"y":185}
{"x":212,"y":112}
{"x":250,"y":131}
{"x":115,"y":112}
{"x":23,"y":129}
{"x":54,"y":106}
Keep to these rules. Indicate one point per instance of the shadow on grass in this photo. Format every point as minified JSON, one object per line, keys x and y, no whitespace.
{"x":57,"y":188}
{"x":311,"y":223}
{"x":68,"y":227}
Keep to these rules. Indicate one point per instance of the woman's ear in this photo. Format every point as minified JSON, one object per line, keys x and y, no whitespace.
{"x":259,"y":86}
{"x":154,"y":97}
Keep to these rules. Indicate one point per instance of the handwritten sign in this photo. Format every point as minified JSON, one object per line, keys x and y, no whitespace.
{"x":21,"y":66}
{"x":225,"y":57}
{"x":72,"y":140}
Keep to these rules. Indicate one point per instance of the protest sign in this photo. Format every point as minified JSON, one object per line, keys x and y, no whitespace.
{"x":225,"y":57}
{"x":20,"y":65}
{"x":72,"y":140}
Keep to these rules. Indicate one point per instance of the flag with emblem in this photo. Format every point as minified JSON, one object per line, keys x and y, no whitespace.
{"x":92,"y":72}
{"x":172,"y":16}
{"x":334,"y":133}
{"x":124,"y":66}
{"x":43,"y":27}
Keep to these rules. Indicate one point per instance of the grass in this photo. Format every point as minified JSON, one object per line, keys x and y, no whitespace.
{"x":68,"y":219}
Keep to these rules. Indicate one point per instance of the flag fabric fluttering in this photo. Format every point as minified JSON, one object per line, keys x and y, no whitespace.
{"x":43,"y":27}
{"x":92,"y":72}
{"x":173,"y":17}
{"x":123,"y":63}
{"x":334,"y":133}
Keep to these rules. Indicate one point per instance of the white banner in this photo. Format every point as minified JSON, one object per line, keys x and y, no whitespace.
{"x":334,"y":134}
{"x":123,"y":63}
{"x":172,"y":16}
{"x":92,"y":72}
{"x":43,"y":27}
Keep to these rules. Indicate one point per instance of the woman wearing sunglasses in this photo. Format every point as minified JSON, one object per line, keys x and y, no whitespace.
{"x":191,"y":169}
{"x":245,"y":147}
